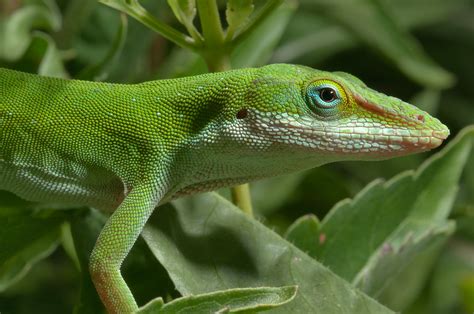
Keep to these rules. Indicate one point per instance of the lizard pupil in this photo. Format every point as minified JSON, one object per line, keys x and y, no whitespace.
{"x":327,"y":94}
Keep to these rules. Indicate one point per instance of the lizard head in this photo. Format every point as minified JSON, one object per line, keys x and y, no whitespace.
{"x":334,"y":115}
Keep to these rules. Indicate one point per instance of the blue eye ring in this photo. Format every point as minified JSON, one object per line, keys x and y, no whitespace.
{"x":324,"y":98}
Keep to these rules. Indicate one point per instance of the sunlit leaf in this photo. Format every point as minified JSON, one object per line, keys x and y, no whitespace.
{"x":237,"y":13}
{"x":371,"y":238}
{"x":303,"y":233}
{"x":227,"y":301}
{"x":206,"y":245}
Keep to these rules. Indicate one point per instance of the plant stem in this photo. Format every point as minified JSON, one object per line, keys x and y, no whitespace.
{"x":216,"y":52}
{"x":211,"y":23}
{"x":242,"y":199}
{"x":135,"y":10}
{"x":213,"y":51}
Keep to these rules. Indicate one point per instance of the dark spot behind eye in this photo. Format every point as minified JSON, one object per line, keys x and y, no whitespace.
{"x":242,"y":113}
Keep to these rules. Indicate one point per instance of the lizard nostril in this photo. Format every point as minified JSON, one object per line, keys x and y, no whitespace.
{"x":420,"y":117}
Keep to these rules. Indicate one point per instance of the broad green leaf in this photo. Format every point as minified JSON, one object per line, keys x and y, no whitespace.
{"x":407,"y":12}
{"x":206,"y":245}
{"x":26,"y":236}
{"x":227,"y":301}
{"x":405,"y":287}
{"x":311,"y":38}
{"x":85,"y":228}
{"x":15,"y":31}
{"x":411,"y":238}
{"x":51,"y":64}
{"x":257,"y":49}
{"x":92,"y":48}
{"x":145,"y":276}
{"x":371,"y":238}
{"x":237,"y":13}
{"x":371,"y":22}
{"x":100,"y":71}
{"x":142,"y":272}
{"x":443,"y":292}
{"x":303,"y":234}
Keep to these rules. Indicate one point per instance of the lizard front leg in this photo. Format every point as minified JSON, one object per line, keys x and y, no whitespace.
{"x":113,"y":245}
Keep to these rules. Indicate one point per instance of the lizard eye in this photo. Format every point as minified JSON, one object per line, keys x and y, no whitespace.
{"x":323,"y":98}
{"x":327,"y":94}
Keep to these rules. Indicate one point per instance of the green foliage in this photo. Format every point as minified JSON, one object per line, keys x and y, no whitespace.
{"x":402,"y":244}
{"x":25,"y":238}
{"x":249,"y":300}
{"x":206,"y":244}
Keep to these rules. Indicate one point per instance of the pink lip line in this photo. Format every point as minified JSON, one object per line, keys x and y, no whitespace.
{"x":417,"y":119}
{"x":387,"y":113}
{"x":369,"y":106}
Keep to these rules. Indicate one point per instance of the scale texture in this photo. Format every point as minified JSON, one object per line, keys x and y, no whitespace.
{"x":127,"y":148}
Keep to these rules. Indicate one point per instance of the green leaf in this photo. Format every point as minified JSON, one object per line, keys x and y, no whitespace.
{"x":135,"y":10}
{"x":444,"y":292}
{"x":255,"y":50}
{"x":404,"y":289}
{"x":258,"y":47}
{"x":100,"y":71}
{"x":184,"y":10}
{"x":85,"y":229}
{"x":371,"y":238}
{"x":227,"y":301}
{"x":26,"y":237}
{"x":376,"y":26}
{"x":237,"y":13}
{"x":206,"y":244}
{"x":303,"y":233}
{"x":51,"y":64}
{"x":15,"y":31}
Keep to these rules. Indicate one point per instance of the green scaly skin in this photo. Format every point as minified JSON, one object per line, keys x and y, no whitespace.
{"x":127,"y":148}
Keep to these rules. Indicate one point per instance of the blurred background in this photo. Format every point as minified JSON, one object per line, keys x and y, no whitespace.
{"x":418,"y":50}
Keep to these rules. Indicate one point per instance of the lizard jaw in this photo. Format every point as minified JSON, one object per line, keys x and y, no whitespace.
{"x":425,"y":132}
{"x":353,"y":137}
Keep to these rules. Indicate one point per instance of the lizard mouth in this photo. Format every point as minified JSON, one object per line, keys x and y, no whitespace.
{"x":416,"y":130}
{"x":419,"y":140}
{"x":370,"y":142}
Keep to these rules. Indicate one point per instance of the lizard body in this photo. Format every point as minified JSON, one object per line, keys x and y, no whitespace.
{"x":128,"y":148}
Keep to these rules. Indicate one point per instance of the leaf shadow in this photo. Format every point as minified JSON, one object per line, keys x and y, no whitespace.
{"x":212,"y":245}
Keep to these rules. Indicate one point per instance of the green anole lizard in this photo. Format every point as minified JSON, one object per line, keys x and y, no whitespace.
{"x":126,"y":149}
